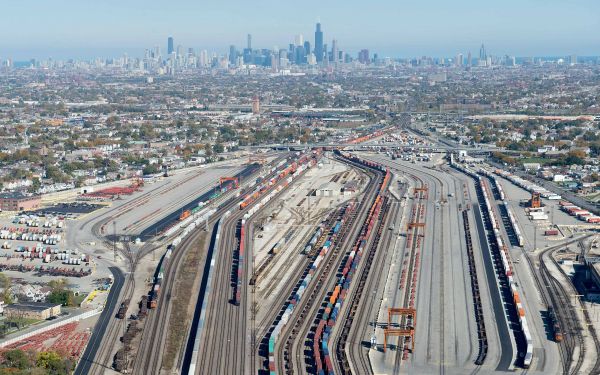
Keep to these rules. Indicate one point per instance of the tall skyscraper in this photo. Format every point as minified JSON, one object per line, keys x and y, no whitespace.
{"x":334,"y":51}
{"x":363,"y":56}
{"x":299,"y":40}
{"x":482,"y":53}
{"x":469,"y":59}
{"x":459,"y":60}
{"x":319,"y":44}
{"x":232,"y":55}
{"x":307,"y":49}
{"x":249,"y":42}
{"x":170,"y":48}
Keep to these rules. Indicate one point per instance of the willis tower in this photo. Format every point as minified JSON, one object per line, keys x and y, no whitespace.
{"x":319,"y":43}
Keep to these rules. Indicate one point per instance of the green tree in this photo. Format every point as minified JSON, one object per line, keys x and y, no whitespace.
{"x":5,"y":284}
{"x":53,"y":363}
{"x":17,"y":359}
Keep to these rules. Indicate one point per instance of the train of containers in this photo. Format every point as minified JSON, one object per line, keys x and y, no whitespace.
{"x":280,"y":323}
{"x":198,"y":220}
{"x":506,"y":264}
{"x":579,"y":213}
{"x":528,"y":185}
{"x":240,"y":261}
{"x":511,"y":216}
{"x":335,"y":301}
{"x":283,"y":172}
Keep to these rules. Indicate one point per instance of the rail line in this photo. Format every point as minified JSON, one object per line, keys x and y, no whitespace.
{"x":345,"y":291}
{"x":283,"y":344}
{"x":228,"y":319}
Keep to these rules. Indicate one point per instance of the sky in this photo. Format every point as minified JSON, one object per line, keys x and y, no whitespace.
{"x":394,"y":28}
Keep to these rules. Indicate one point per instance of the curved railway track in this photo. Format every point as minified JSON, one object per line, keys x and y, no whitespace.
{"x":290,"y":346}
{"x":556,"y":296}
{"x":359,"y":358}
{"x":227,"y":325}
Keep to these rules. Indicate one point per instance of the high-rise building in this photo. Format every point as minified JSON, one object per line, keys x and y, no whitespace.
{"x":319,"y":43}
{"x":256,"y":105}
{"x":459,"y":60}
{"x":307,"y":50}
{"x":334,"y":51}
{"x":482,"y":55}
{"x":299,"y":40}
{"x":300,"y":56}
{"x":249,"y":42}
{"x":363,"y":56}
{"x":232,"y":55}
{"x":170,"y":48}
{"x":573,"y":59}
{"x":469,"y":59}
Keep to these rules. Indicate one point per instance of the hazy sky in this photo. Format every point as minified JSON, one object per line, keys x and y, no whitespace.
{"x":397,"y":28}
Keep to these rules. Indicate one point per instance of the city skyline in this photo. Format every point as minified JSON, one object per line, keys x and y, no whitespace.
{"x":394,"y":30}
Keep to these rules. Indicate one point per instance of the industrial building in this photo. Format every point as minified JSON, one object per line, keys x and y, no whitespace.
{"x":32,"y":310}
{"x":19,"y":202}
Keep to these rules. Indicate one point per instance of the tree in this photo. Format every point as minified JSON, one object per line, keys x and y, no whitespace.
{"x":150,"y":169}
{"x":35,"y":185}
{"x":208,"y":149}
{"x":53,"y":363}
{"x":5,"y":284}
{"x":218,"y":148}
{"x":17,"y":359}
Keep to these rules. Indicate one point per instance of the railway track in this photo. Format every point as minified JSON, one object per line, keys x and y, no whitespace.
{"x":436,"y":189}
{"x":554,"y":295}
{"x":149,"y":358}
{"x":297,"y":274}
{"x":290,"y":344}
{"x":354,"y":359}
{"x":227,"y":329}
{"x":104,"y":356}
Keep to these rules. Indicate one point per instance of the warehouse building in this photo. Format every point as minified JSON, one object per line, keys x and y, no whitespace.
{"x":18,"y":201}
{"x":32,"y":310}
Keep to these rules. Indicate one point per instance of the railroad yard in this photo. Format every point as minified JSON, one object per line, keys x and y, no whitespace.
{"x":321,"y":261}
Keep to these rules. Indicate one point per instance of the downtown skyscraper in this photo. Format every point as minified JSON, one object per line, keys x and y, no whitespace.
{"x":170,"y":48}
{"x":319,"y":43}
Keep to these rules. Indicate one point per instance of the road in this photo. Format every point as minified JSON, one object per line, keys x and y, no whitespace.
{"x":108,"y":316}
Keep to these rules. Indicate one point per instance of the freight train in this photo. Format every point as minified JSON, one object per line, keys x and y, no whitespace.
{"x":327,"y":236}
{"x":333,"y":303}
{"x":283,"y":174}
{"x":505,"y":261}
{"x":553,"y":322}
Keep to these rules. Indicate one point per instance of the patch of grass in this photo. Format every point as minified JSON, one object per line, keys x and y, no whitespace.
{"x":180,"y":318}
{"x":78,"y":299}
{"x":542,"y":161}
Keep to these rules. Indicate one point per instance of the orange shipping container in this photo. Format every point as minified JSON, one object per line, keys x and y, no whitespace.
{"x":516,"y":297}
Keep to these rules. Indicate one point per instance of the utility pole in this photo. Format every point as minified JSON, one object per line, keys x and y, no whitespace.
{"x":115,"y":239}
